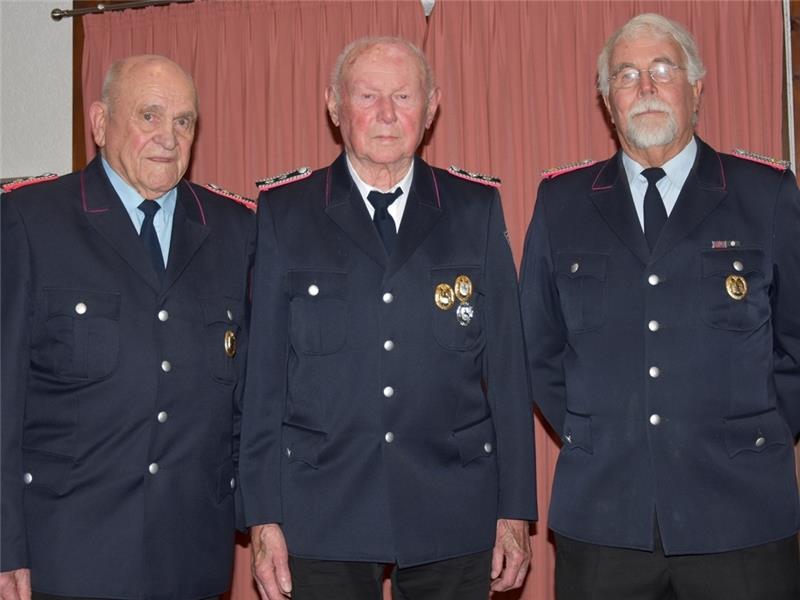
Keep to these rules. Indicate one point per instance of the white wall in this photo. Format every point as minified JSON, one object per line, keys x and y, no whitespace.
{"x":35,"y":88}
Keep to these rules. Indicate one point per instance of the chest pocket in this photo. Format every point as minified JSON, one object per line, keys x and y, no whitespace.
{"x":318,"y":311}
{"x":733,"y":290}
{"x":223,"y":318}
{"x":581,"y":283}
{"x":80,"y":334}
{"x":457,"y":312}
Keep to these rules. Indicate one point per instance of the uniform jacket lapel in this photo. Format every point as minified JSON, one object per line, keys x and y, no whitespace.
{"x":105,"y":212}
{"x":189,"y":231}
{"x":703,"y":190}
{"x":344,"y":204}
{"x":612,"y":196}
{"x":423,"y":209}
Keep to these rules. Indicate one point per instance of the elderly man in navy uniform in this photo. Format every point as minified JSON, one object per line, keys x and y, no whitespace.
{"x":659,"y":295}
{"x":123,"y":303}
{"x":386,"y":415}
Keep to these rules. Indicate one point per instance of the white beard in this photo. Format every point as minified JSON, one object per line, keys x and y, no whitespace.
{"x":643,"y":135}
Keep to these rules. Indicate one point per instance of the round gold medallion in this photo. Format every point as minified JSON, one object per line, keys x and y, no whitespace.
{"x":444,"y":296}
{"x":463,"y":288}
{"x":230,"y":343}
{"x":736,"y":286}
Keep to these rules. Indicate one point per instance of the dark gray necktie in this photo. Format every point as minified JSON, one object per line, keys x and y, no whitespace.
{"x":382,"y":219}
{"x":655,"y":215}
{"x":149,"y":237}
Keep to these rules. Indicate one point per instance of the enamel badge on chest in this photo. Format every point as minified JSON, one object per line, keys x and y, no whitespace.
{"x":736,"y":286}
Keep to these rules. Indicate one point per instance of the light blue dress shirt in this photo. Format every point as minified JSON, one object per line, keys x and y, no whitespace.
{"x":162,"y":222}
{"x":676,"y":169}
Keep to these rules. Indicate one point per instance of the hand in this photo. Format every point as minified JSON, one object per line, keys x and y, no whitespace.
{"x":513,"y":547}
{"x":15,"y":585}
{"x":270,"y":562}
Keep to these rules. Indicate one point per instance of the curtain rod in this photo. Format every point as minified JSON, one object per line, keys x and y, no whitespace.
{"x":57,"y":14}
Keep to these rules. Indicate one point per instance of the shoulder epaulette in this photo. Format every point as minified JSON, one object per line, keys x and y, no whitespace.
{"x":246,"y":202}
{"x":474,"y":177}
{"x":567,"y":168}
{"x":283,"y":179}
{"x":780,"y":165}
{"x":23,"y":181}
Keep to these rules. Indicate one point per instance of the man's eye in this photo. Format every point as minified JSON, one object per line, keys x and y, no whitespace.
{"x":148,"y":117}
{"x":183,"y":122}
{"x":629,"y":75}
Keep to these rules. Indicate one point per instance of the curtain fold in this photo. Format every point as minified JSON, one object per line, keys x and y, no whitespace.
{"x":518,"y":82}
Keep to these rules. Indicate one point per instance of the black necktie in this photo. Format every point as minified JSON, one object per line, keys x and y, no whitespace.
{"x":149,"y":237}
{"x":655,"y":215}
{"x":382,"y":219}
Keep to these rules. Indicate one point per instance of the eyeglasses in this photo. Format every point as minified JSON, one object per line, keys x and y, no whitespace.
{"x":628,"y":77}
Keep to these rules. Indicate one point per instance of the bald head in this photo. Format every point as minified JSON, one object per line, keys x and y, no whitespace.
{"x":144,"y":122}
{"x":131,"y":66}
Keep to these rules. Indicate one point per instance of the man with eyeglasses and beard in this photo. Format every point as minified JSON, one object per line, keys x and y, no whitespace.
{"x":659,"y":299}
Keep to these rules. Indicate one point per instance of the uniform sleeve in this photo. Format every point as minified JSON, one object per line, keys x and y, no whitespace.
{"x":506,"y":380}
{"x":265,"y":384}
{"x":785,"y":299}
{"x":14,"y":331}
{"x":249,"y":250}
{"x":543,"y":322}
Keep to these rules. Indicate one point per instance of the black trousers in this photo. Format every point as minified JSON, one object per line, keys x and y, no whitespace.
{"x":591,"y":572}
{"x":463,"y":578}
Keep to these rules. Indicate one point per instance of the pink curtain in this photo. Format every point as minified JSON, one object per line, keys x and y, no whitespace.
{"x":518,"y":97}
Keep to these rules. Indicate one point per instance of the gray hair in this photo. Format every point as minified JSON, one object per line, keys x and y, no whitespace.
{"x":110,"y":89}
{"x":654,"y":24}
{"x":357,"y":48}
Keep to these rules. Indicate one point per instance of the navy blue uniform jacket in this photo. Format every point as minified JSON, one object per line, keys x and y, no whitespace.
{"x":353,"y":470}
{"x":674,"y":400}
{"x":118,"y":398}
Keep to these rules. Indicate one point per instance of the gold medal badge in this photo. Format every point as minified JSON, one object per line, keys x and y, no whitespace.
{"x":230,"y":343}
{"x":736,"y":286}
{"x":463,"y":288}
{"x":444,"y":297}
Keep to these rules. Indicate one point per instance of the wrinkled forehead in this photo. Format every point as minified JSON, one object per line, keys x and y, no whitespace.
{"x":160,"y":78}
{"x":644,"y":48}
{"x":383,"y":59}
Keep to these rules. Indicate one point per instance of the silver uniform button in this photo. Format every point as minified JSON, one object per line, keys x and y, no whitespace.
{"x":654,"y":372}
{"x":229,"y":313}
{"x":760,"y":441}
{"x":233,"y":482}
{"x":288,"y":453}
{"x":153,"y":468}
{"x":389,"y":437}
{"x":166,"y":366}
{"x":388,"y":298}
{"x":163,"y":315}
{"x":653,"y":279}
{"x":737,"y":265}
{"x":80,"y":308}
{"x":313,"y":290}
{"x":162,"y":416}
{"x":388,"y":391}
{"x":388,"y":345}
{"x":27,"y":478}
{"x":573,"y":268}
{"x":568,"y":438}
{"x":653,"y":325}
{"x":487,"y":447}
{"x":655,"y":419}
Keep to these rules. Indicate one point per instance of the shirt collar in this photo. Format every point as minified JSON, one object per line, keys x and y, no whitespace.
{"x":365,"y":188}
{"x":676,"y":169}
{"x":131,"y":199}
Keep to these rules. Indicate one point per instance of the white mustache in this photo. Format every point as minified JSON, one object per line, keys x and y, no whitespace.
{"x":649,"y":104}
